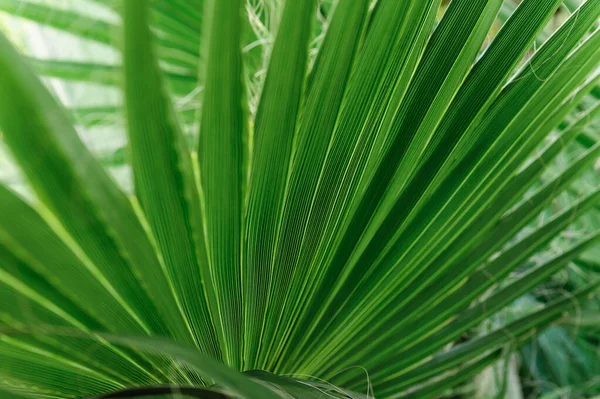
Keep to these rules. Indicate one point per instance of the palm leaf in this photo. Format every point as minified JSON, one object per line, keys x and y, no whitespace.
{"x":165,"y":183}
{"x":348,"y":186}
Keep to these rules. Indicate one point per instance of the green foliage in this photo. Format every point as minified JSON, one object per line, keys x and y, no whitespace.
{"x":355,"y":196}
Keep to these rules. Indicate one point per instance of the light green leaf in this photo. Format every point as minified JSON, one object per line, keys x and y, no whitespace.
{"x":165,"y":184}
{"x":222,"y":156}
{"x":275,"y":133}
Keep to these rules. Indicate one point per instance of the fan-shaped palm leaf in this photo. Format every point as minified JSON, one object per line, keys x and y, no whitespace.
{"x":365,"y":215}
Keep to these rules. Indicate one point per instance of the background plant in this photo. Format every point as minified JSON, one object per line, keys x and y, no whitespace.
{"x":362,"y":216}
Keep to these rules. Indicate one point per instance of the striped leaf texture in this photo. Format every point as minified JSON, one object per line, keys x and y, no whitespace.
{"x":270,"y":199}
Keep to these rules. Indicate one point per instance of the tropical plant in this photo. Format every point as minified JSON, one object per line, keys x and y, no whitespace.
{"x":348,"y":207}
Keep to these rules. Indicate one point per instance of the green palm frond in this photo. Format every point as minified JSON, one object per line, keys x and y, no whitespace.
{"x":351,"y":196}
